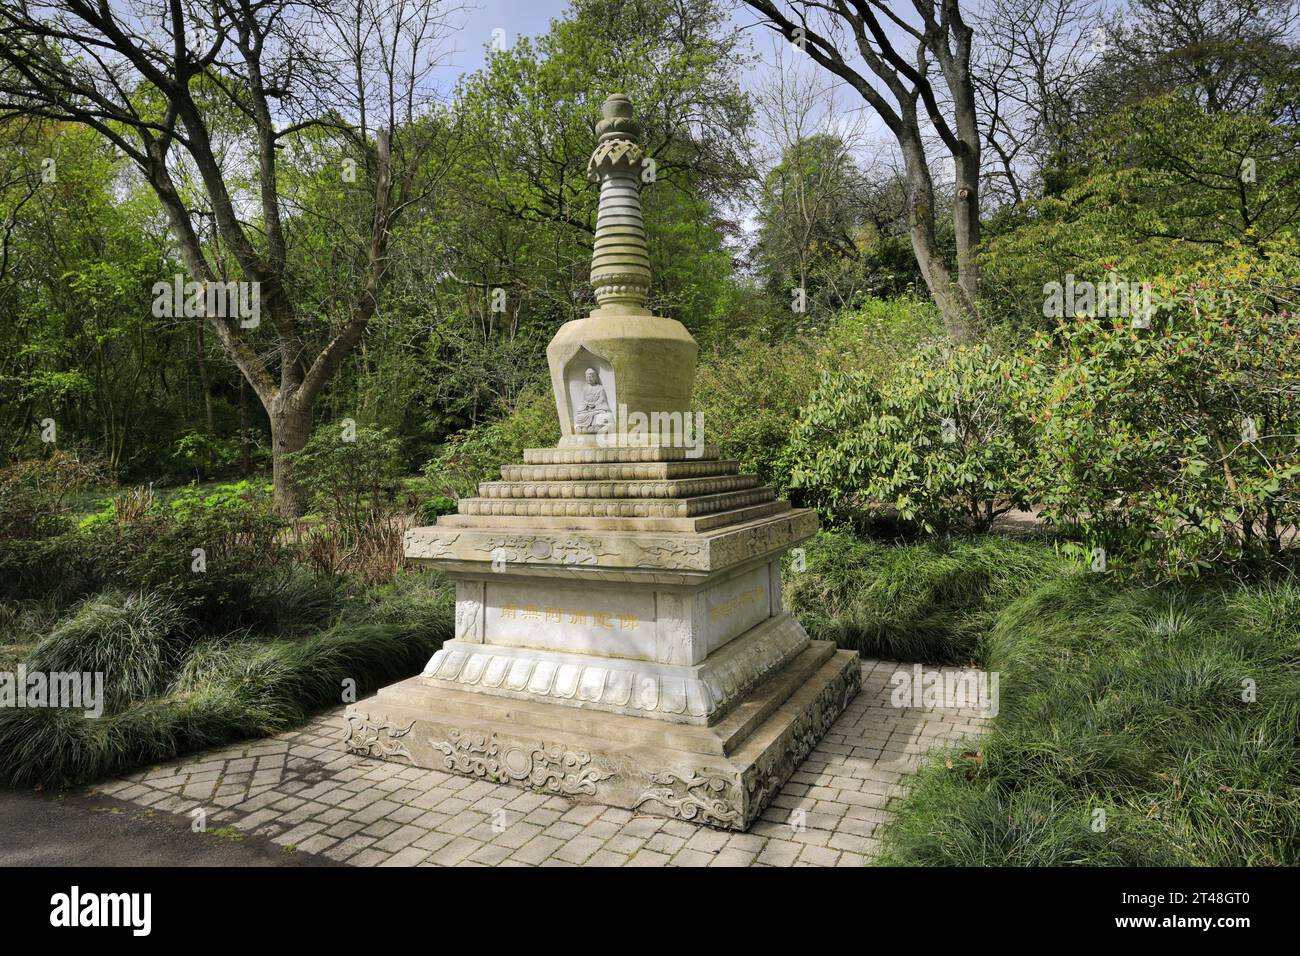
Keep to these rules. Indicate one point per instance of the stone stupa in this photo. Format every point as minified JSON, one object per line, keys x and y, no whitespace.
{"x":619,"y":632}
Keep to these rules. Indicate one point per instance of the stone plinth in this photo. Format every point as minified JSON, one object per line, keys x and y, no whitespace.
{"x":722,"y":775}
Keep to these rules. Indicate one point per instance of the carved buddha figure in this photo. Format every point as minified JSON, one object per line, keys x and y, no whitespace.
{"x":593,"y":415}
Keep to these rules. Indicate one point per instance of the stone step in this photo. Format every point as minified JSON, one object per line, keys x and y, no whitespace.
{"x":677,"y":488}
{"x":622,"y":471}
{"x":623,"y":455}
{"x":696,"y":524}
{"x":617,"y":507}
{"x":721,"y":775}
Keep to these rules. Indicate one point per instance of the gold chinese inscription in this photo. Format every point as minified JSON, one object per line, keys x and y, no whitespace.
{"x":744,"y":599}
{"x":609,"y":620}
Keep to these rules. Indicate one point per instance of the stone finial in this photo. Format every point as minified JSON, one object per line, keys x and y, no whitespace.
{"x":620,"y":264}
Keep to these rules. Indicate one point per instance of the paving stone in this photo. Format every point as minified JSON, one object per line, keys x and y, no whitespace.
{"x":401,"y":838}
{"x":579,"y":849}
{"x":493,"y":854}
{"x":455,"y":852}
{"x":410,"y":856}
{"x":819,"y":855}
{"x":692,"y":858}
{"x":625,"y":843}
{"x":537,"y":849}
{"x":301,"y":789}
{"x":317,"y":844}
{"x":733,"y":857}
{"x":606,"y":858}
{"x":664,"y":843}
{"x":779,"y":852}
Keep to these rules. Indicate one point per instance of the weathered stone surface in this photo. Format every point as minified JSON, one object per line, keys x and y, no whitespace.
{"x":618,"y":507}
{"x":646,"y":365}
{"x":710,"y":775}
{"x":590,"y":551}
{"x":616,"y":455}
{"x":699,"y":523}
{"x":621,"y":471}
{"x":635,"y":682}
{"x":570,"y":489}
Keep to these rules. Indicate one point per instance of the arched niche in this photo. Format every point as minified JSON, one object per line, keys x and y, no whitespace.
{"x":577,"y":388}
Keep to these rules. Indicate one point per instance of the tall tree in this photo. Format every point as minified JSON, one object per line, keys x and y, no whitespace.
{"x":901,"y":52}
{"x":166,"y":89}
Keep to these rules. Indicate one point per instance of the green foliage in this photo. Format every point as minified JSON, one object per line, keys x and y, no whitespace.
{"x":79,"y":345}
{"x":1177,"y":449}
{"x":134,"y":640}
{"x":34,"y":495}
{"x":1172,"y":711}
{"x":932,"y":602}
{"x":198,"y":451}
{"x":749,"y":392}
{"x":290,"y":600}
{"x":423,"y":602}
{"x":22,"y":624}
{"x":751,"y":388}
{"x":477,"y":454}
{"x":225,"y":692}
{"x":435,"y":508}
{"x":207,"y":551}
{"x":1164,"y":185}
{"x":227,"y":501}
{"x":349,"y":476}
{"x":945,"y":442}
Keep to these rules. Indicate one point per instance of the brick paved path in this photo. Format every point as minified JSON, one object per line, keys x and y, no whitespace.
{"x":306,"y":793}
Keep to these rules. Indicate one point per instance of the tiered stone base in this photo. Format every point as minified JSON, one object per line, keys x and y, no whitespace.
{"x":619,"y":637}
{"x":721,"y":775}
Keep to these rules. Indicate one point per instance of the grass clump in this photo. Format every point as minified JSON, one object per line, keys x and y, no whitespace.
{"x":174,"y":689}
{"x":134,"y":640}
{"x":930,"y":602}
{"x":1137,"y":727}
{"x":234,"y":690}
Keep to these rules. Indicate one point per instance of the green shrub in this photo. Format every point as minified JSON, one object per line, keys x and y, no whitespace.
{"x":27,"y":621}
{"x":477,"y":454}
{"x":349,"y":474}
{"x":422,"y":600}
{"x":134,"y":640}
{"x":751,"y":389}
{"x":749,"y":392}
{"x":209,"y":560}
{"x":945,"y":442}
{"x":291,"y":600}
{"x":34,"y":495}
{"x":932,"y":602}
{"x":435,"y":508}
{"x":1177,"y":448}
{"x":57,"y":567}
{"x":39,"y":554}
{"x":1137,"y":726}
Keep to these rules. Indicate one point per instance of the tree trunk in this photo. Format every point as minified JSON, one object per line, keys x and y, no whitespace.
{"x":205,"y":382}
{"x":290,"y":429}
{"x":966,"y":225}
{"x":956,"y":305}
{"x":245,"y":430}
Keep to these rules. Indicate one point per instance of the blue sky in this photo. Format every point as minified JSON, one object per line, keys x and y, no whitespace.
{"x":516,"y":17}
